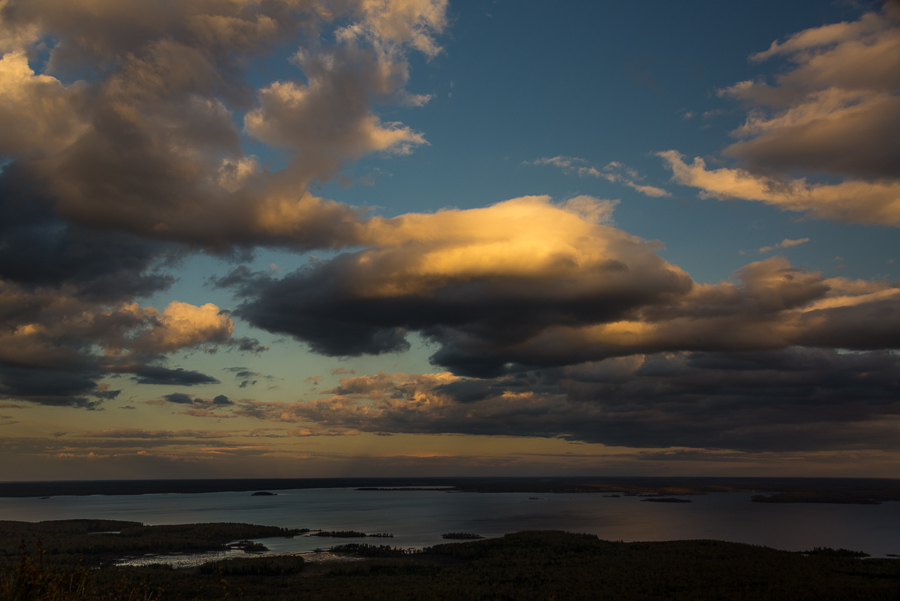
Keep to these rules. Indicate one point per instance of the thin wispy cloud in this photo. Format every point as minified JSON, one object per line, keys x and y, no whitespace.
{"x":786,"y":243}
{"x":614,"y":172}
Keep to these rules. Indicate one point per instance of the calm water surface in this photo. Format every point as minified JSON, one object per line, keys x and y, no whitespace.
{"x":418,"y":518}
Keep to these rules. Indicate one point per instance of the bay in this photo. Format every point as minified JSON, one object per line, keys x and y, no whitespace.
{"x":418,"y":518}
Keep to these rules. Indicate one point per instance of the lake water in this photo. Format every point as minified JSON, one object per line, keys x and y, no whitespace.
{"x":418,"y":518}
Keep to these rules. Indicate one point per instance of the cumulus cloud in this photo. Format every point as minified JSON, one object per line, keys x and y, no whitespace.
{"x":833,"y":113}
{"x":526,"y":283}
{"x":56,"y":347}
{"x":487,"y":278}
{"x":147,"y":140}
{"x":121,"y":152}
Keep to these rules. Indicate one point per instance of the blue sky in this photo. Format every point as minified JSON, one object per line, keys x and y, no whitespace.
{"x":415,"y":237}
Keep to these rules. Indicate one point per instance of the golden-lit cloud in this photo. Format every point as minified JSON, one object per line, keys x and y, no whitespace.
{"x":39,"y":113}
{"x":854,"y":201}
{"x":47,"y":345}
{"x":498,"y":274}
{"x":149,"y":143}
{"x":834,"y":113}
{"x":772,"y":306}
{"x":181,"y":325}
{"x":530,"y":283}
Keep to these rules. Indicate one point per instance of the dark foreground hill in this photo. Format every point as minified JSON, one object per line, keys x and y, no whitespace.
{"x":527,"y":565}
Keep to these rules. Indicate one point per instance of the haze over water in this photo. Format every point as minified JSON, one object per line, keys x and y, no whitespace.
{"x":418,"y":518}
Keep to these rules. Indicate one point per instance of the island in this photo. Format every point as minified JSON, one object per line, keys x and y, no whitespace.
{"x":37,"y":561}
{"x":461,"y":536}
{"x":351,"y":534}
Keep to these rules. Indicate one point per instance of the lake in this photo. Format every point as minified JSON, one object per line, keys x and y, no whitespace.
{"x":418,"y":518}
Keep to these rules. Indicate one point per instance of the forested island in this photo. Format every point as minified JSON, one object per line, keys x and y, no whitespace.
{"x":351,"y":534}
{"x":39,"y":561}
{"x":94,"y":542}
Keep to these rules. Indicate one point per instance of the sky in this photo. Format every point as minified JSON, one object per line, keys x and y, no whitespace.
{"x":312,"y":238}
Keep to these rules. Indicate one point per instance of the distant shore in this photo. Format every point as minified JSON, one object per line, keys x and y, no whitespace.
{"x":778,"y":490}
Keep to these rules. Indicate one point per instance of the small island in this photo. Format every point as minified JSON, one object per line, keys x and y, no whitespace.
{"x":264,"y":493}
{"x":351,"y":534}
{"x":461,"y":536}
{"x":248,"y":546}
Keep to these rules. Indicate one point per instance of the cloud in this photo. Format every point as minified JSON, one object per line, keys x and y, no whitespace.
{"x":158,"y":375}
{"x":788,"y":400}
{"x":771,"y":306}
{"x":848,"y":133}
{"x":488,"y":278}
{"x":73,"y":343}
{"x":786,"y":243}
{"x":147,"y":140}
{"x":849,"y":201}
{"x":40,"y":250}
{"x":614,"y":172}
{"x":67,"y":304}
{"x":53,"y":387}
{"x":181,"y":325}
{"x":198,"y":407}
{"x":832,"y":115}
{"x":245,"y":376}
{"x":526,"y":284}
